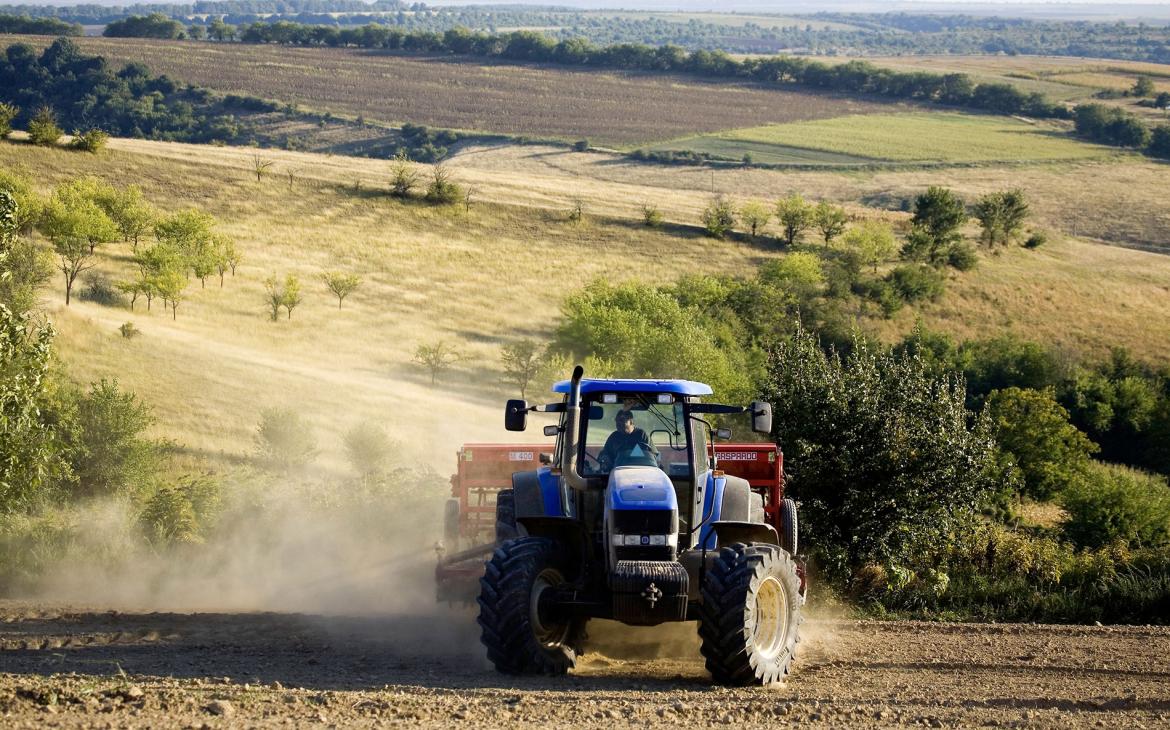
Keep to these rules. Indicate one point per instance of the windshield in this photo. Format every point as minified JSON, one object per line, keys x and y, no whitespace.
{"x":635,"y":431}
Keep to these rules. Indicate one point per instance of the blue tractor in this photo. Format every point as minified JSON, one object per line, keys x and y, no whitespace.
{"x":631,"y":519}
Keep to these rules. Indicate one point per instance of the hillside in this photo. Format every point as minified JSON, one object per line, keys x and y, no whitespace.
{"x":481,"y":277}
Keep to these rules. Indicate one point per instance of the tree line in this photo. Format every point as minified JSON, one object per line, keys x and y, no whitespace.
{"x":1115,"y":126}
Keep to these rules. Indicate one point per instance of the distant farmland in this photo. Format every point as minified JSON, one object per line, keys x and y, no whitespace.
{"x":610,"y":108}
{"x":910,"y":137}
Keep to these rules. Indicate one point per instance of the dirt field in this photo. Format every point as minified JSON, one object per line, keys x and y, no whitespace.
{"x":66,"y":668}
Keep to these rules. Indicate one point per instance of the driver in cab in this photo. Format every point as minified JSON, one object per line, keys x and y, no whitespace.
{"x":628,"y":440}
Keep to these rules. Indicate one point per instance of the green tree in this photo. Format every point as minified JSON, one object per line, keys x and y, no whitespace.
{"x":800,"y":273}
{"x":522,"y":361}
{"x":1160,"y":141}
{"x":879,"y":450}
{"x":1001,"y":216}
{"x":75,"y":227}
{"x":8,"y":112}
{"x":938,"y":216}
{"x":795,"y":216}
{"x":755,"y":215}
{"x":442,"y":189}
{"x":23,"y":267}
{"x":718,"y":217}
{"x":1116,"y":504}
{"x":169,"y":285}
{"x":105,"y":447}
{"x":285,"y":439}
{"x":291,"y":296}
{"x":403,"y":176}
{"x":189,"y":232}
{"x":651,"y":216}
{"x":273,"y":297}
{"x":29,"y":205}
{"x":29,"y":447}
{"x":91,"y":140}
{"x":43,"y":129}
{"x":1143,"y":87}
{"x":1034,"y":432}
{"x":830,"y":220}
{"x":436,"y":357}
{"x":874,"y":242}
{"x":225,"y":256}
{"x":133,"y":215}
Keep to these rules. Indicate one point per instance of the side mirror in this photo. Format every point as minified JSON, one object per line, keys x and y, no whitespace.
{"x":546,"y":459}
{"x":551,"y":430}
{"x":596,"y":412}
{"x":516,"y":415}
{"x":723,"y":433}
{"x":761,"y":416}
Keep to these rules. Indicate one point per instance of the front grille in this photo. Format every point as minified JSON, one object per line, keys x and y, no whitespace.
{"x":644,"y":552}
{"x":642,"y":522}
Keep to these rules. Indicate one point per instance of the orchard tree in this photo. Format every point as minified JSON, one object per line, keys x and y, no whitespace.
{"x":260,"y":166}
{"x":755,"y":215}
{"x":795,"y":216}
{"x":718,"y":217}
{"x":830,"y":220}
{"x":291,"y":297}
{"x":74,"y":229}
{"x":273,"y":297}
{"x":170,"y":284}
{"x":341,"y":284}
{"x":874,"y":242}
{"x":436,"y":358}
{"x":133,"y":215}
{"x":522,"y":362}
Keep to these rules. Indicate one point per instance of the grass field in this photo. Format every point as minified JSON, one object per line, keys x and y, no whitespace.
{"x":911,"y":137}
{"x":606,"y":108}
{"x":483,"y":277}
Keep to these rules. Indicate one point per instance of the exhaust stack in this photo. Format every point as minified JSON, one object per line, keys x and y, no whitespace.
{"x":572,"y":419}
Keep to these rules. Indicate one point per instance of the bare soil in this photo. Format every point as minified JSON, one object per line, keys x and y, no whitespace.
{"x":86,"y":668}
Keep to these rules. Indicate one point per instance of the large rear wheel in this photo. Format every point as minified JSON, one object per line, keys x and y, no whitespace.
{"x":750,"y":614}
{"x":520,"y":637}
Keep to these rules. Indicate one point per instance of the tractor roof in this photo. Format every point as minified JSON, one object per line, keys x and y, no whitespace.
{"x":680,"y":387}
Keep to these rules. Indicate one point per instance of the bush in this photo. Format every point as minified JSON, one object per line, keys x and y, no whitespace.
{"x":962,"y":257}
{"x":93,"y":140}
{"x":180,"y":512}
{"x":129,"y":331}
{"x":581,"y":145}
{"x":369,"y":449}
{"x":1117,"y":504}
{"x":8,"y":112}
{"x":718,"y":217}
{"x":441,"y":189}
{"x":917,"y":282}
{"x":100,"y":290}
{"x":1036,"y":239}
{"x":284,"y":439}
{"x":43,"y":129}
{"x":651,"y":216}
{"x":106,"y":448}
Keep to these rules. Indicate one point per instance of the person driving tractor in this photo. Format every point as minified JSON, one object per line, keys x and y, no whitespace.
{"x":627,"y":440}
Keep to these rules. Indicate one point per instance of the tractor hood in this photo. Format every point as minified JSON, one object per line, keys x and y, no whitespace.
{"x":640,"y":488}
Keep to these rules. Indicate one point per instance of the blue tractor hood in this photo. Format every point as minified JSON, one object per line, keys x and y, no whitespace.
{"x":633,"y":385}
{"x":641,"y":488}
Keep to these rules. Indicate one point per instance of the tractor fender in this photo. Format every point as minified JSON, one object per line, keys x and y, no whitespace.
{"x":730,"y":532}
{"x":537,"y":494}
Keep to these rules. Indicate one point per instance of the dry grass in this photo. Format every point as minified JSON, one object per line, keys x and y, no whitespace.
{"x":496,"y":273}
{"x":477,"y":95}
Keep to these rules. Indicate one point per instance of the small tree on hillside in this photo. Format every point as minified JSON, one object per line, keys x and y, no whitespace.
{"x":755,"y":215}
{"x":403,"y":176}
{"x":225,"y":253}
{"x":1001,"y":216}
{"x":8,"y":112}
{"x":170,"y":284}
{"x":718,"y":217}
{"x":232,"y":255}
{"x":436,"y":358}
{"x":43,"y":129}
{"x":442,"y":189}
{"x":938,"y":215}
{"x":260,"y":166}
{"x":830,"y":220}
{"x":1143,"y":87}
{"x":342,"y":285}
{"x":651,"y":216}
{"x":369,"y":449}
{"x":74,"y":228}
{"x":133,"y":215}
{"x":522,"y":362}
{"x":273,"y":297}
{"x":874,"y":242}
{"x":291,"y":297}
{"x":795,"y":215}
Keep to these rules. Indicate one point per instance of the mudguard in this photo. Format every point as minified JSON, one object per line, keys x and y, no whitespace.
{"x":538,"y":494}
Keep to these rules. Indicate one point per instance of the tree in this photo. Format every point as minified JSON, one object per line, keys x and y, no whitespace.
{"x":1143,"y":86}
{"x":436,"y":358}
{"x":8,"y":112}
{"x":442,"y":189}
{"x":23,"y":266}
{"x":1160,"y":142}
{"x":285,"y":439}
{"x":43,"y":129}
{"x":755,"y":215}
{"x":106,"y":449}
{"x":795,"y":216}
{"x":403,"y":176}
{"x":75,"y":227}
{"x":190,"y":233}
{"x":874,"y":242}
{"x":231,"y":255}
{"x":169,"y":284}
{"x":522,"y":362}
{"x":368,"y":448}
{"x":291,"y":297}
{"x":273,"y":297}
{"x":879,"y":449}
{"x":92,"y":140}
{"x":341,"y":284}
{"x":1001,"y":216}
{"x":224,"y":249}
{"x":651,"y":216}
{"x":260,"y":166}
{"x":938,"y":215}
{"x":718,"y":217}
{"x":830,"y":220}
{"x":132,"y":214}
{"x":1034,"y":431}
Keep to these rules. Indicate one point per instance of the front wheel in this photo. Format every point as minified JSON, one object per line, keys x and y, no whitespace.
{"x":750,"y":614}
{"x":520,"y":637}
